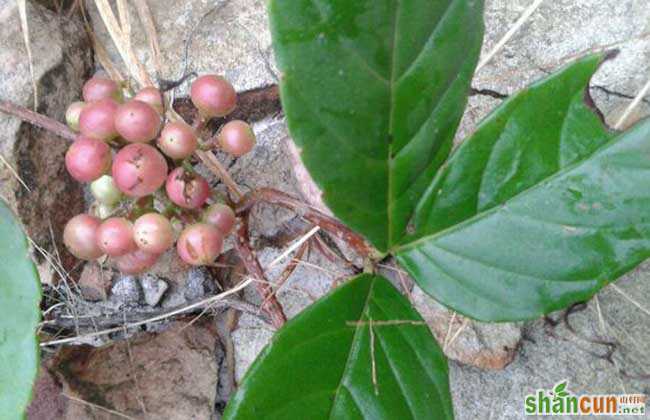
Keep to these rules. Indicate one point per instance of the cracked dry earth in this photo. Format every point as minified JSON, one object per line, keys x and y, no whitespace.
{"x":600,"y":347}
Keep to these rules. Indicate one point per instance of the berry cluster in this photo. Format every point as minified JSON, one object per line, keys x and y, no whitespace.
{"x":114,"y":153}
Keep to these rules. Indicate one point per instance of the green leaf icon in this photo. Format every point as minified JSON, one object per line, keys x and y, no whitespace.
{"x":560,"y":390}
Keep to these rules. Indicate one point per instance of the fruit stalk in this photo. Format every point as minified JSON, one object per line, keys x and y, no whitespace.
{"x":325,"y":222}
{"x":269,"y":302}
{"x":37,"y":119}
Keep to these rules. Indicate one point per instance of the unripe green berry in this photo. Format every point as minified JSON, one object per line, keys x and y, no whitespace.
{"x":105,"y":191}
{"x":72,"y":115}
{"x":104,"y":211}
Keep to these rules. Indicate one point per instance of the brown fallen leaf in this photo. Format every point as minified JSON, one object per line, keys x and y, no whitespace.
{"x":171,"y":375}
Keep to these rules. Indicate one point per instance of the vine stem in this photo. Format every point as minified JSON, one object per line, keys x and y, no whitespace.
{"x":37,"y":119}
{"x":325,"y":222}
{"x":269,"y":304}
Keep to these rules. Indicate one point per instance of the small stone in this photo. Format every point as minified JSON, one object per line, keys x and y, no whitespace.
{"x":484,"y":345}
{"x":126,"y":290}
{"x":153,"y":288}
{"x":94,"y":283}
{"x":199,"y":283}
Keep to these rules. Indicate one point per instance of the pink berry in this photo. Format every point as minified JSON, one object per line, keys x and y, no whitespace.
{"x":153,"y":233}
{"x":151,"y":96}
{"x":137,"y":122}
{"x":187,"y":190}
{"x":115,"y":236}
{"x":136,"y":262}
{"x":88,"y":159}
{"x":200,"y":244}
{"x":101,"y":87}
{"x":177,"y":140}
{"x":237,"y":138}
{"x":221,"y":216}
{"x":97,"y":119}
{"x":80,"y":237}
{"x":139,"y":170}
{"x":72,"y":115}
{"x":213,"y":96}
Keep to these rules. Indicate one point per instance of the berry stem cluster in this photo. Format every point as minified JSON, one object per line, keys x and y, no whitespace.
{"x":142,"y":207}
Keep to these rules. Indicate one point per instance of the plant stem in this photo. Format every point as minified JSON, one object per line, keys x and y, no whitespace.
{"x":327,"y":223}
{"x":269,"y":302}
{"x":213,"y":164}
{"x":37,"y":119}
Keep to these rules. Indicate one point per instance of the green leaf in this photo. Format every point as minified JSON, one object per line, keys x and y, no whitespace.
{"x":539,"y":209}
{"x":319,"y":365}
{"x":528,"y":138}
{"x":559,"y":388}
{"x":373,"y":91}
{"x":20,"y":294}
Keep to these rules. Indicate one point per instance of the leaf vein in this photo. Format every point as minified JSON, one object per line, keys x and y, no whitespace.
{"x":433,"y":33}
{"x":353,"y":347}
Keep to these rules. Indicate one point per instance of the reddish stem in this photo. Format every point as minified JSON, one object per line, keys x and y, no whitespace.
{"x":269,"y":303}
{"x":325,"y":222}
{"x":37,"y":119}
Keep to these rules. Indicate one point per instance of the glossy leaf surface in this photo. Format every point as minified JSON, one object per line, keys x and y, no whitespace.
{"x":20,"y":295}
{"x":373,"y":91}
{"x":319,"y":365}
{"x":532,"y":228}
{"x":531,"y":136}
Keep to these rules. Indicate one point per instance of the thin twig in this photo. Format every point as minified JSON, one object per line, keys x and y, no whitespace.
{"x":295,"y":245}
{"x":270,"y":304}
{"x":289,"y":269}
{"x":457,"y":334}
{"x":109,"y":320}
{"x":634,"y":302}
{"x":522,"y":19}
{"x":632,"y":106}
{"x":13,"y":172}
{"x":373,"y":363}
{"x":146,"y":17}
{"x":121,"y":38}
{"x":601,"y":319}
{"x":213,"y":164}
{"x":331,"y":273}
{"x":449,"y":326}
{"x":22,"y":11}
{"x":98,"y":407}
{"x":100,"y":51}
{"x":329,"y":253}
{"x":161,"y":317}
{"x":325,"y":222}
{"x":190,"y":38}
{"x":37,"y":119}
{"x":136,"y":383}
{"x":402,"y":282}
